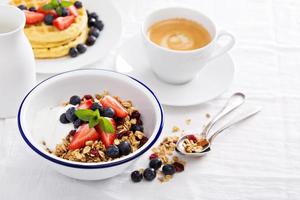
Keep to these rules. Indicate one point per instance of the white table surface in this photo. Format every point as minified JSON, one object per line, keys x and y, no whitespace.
{"x":257,"y":160}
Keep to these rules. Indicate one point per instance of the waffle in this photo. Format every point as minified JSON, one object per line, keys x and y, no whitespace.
{"x":60,"y":50}
{"x":50,"y":44}
{"x":29,"y":3}
{"x":43,"y":34}
{"x":48,"y":41}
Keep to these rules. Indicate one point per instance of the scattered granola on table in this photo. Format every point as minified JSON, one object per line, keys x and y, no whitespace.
{"x":188,"y":121}
{"x":105,"y":128}
{"x":175,"y":129}
{"x":163,"y":163}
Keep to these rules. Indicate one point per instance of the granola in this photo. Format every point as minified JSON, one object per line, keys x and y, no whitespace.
{"x":88,"y":143}
{"x":188,"y":121}
{"x":194,"y":144}
{"x":164,"y":155}
{"x":175,"y":129}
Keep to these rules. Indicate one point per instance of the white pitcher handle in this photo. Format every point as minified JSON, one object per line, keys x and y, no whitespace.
{"x":221,"y":49}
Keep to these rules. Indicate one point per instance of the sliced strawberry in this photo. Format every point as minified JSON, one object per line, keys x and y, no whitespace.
{"x":107,"y":138}
{"x":86,"y":104}
{"x":52,"y":12}
{"x":62,"y":23}
{"x":73,"y":11}
{"x":33,"y":17}
{"x":83,"y":134}
{"x":109,"y":101}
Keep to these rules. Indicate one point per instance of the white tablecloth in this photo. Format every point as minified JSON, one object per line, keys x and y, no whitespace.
{"x":257,"y":160}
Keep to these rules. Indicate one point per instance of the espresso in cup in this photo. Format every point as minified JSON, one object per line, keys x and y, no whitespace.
{"x":179,"y":34}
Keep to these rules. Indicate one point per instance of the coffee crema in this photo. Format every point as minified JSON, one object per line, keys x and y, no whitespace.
{"x":179,"y":34}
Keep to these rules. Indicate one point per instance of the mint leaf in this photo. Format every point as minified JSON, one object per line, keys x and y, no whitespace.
{"x":58,"y":11}
{"x":97,"y":113}
{"x":66,"y":3}
{"x":48,"y":6}
{"x":85,"y":114}
{"x":106,"y":125}
{"x":55,"y":3}
{"x":93,"y":121}
{"x":94,"y":118}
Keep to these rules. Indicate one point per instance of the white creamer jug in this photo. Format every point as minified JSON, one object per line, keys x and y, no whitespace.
{"x":17,"y":65}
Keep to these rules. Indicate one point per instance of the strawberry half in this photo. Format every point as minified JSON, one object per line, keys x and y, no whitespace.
{"x":62,"y":23}
{"x":73,"y":11}
{"x":51,"y":12}
{"x":109,"y":101}
{"x":33,"y":17}
{"x":86,"y":104}
{"x":107,"y":138}
{"x":83,"y":134}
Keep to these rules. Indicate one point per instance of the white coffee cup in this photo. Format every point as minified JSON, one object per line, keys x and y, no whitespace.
{"x":175,"y":66}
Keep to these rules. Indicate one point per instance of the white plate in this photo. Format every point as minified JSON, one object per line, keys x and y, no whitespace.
{"x":211,"y":81}
{"x":107,"y":40}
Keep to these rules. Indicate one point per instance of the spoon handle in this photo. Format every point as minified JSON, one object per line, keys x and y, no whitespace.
{"x":235,"y":101}
{"x":234,"y":122}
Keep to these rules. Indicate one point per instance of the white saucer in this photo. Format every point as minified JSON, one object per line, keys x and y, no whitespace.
{"x":211,"y":81}
{"x":107,"y":40}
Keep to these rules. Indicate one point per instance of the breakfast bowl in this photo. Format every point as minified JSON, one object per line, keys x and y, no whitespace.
{"x":38,"y":118}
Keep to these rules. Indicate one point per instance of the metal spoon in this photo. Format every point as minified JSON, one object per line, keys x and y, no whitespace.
{"x":235,"y":101}
{"x":207,"y":148}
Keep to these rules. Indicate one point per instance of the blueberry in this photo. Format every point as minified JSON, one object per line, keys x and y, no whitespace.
{"x":77,"y":123}
{"x":75,"y":100}
{"x":63,"y":119}
{"x":73,"y":52}
{"x":81,"y":48}
{"x":49,"y":19}
{"x":124,"y":148}
{"x":137,"y":127}
{"x":70,"y":114}
{"x":96,"y":106}
{"x":139,"y":122}
{"x":155,"y":163}
{"x":169,"y":169}
{"x":22,"y":7}
{"x":94,"y":32}
{"x":78,"y":4}
{"x":113,"y":151}
{"x":149,"y":174}
{"x":91,"y":40}
{"x":32,"y":9}
{"x":91,"y":22}
{"x":108,"y":112}
{"x":64,"y":12}
{"x":136,"y":176}
{"x":119,"y":120}
{"x":99,"y":25}
{"x":93,"y":15}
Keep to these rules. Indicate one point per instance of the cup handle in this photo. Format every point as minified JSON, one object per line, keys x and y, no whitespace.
{"x":221,"y":49}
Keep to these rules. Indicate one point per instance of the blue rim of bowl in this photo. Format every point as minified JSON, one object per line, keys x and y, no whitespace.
{"x":101,"y":165}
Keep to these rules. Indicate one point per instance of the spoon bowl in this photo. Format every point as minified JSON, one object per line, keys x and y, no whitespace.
{"x":180,"y":148}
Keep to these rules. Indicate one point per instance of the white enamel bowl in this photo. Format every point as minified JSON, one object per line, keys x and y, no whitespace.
{"x":57,"y":89}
